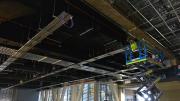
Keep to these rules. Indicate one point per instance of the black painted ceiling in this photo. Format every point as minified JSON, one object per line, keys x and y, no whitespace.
{"x":91,"y":35}
{"x":66,"y":43}
{"x":159,"y":18}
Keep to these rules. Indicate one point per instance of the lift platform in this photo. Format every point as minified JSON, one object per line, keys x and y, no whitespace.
{"x":141,"y":56}
{"x":138,"y":53}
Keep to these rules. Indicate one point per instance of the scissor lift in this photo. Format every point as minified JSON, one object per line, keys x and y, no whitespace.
{"x":148,"y":89}
{"x":145,"y":58}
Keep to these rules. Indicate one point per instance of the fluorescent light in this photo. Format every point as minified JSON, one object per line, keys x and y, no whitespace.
{"x":42,"y":59}
{"x":88,"y":30}
{"x":56,"y":61}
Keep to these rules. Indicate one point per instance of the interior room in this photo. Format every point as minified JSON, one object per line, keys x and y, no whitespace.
{"x":89,"y":50}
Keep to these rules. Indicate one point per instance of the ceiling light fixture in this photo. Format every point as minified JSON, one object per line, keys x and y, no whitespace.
{"x":56,"y":61}
{"x":42,"y":59}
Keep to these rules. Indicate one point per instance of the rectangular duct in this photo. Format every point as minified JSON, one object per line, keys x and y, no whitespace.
{"x":48,"y":30}
{"x":58,"y":62}
{"x":40,"y":58}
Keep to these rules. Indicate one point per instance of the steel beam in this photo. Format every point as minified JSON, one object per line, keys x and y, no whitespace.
{"x":161,"y":17}
{"x":174,"y":10}
{"x":160,"y":24}
{"x":149,"y":23}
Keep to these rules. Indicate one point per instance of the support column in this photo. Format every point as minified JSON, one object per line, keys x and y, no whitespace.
{"x":114,"y":90}
{"x":121,"y":93}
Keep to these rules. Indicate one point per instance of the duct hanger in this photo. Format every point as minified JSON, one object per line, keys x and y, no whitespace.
{"x":54,"y":8}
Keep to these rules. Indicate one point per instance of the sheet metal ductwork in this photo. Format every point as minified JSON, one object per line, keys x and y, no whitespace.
{"x":58,"y":62}
{"x":46,"y":31}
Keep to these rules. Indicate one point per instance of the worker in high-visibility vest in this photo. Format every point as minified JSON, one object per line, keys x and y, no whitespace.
{"x":133,"y":45}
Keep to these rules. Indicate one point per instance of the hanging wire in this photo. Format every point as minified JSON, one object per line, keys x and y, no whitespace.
{"x":29,"y":32}
{"x":39,"y":25}
{"x":54,"y":9}
{"x":40,"y":15}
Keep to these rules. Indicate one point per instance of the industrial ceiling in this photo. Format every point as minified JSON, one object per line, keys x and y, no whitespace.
{"x":159,"y":18}
{"x":87,"y":44}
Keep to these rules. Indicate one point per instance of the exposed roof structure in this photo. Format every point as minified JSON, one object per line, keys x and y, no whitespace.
{"x":36,"y":51}
{"x":159,"y":18}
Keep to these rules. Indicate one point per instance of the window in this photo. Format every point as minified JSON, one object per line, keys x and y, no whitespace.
{"x":105,"y":93}
{"x":88,"y":92}
{"x":67,"y":96}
